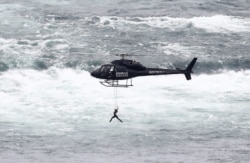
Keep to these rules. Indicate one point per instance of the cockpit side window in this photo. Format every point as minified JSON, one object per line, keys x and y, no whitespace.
{"x":105,"y":68}
{"x":102,"y":68}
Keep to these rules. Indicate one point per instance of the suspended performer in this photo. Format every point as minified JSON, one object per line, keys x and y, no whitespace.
{"x":115,"y":115}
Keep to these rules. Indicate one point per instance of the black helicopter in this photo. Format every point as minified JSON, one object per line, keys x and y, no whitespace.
{"x":125,"y":69}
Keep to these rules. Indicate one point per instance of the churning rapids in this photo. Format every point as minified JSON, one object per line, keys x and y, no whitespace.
{"x":52,"y":110}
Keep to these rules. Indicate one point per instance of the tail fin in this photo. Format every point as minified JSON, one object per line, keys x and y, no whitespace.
{"x":188,"y":70}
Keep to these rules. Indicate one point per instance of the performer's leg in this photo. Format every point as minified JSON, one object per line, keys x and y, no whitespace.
{"x":119,"y":119}
{"x":111,"y":119}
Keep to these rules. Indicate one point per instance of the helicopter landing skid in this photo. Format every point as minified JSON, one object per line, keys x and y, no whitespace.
{"x":115,"y":83}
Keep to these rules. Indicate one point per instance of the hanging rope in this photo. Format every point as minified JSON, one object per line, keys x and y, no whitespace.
{"x":115,"y":96}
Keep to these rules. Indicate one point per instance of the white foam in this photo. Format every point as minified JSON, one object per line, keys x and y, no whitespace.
{"x":178,"y":49}
{"x":45,"y":109}
{"x":13,"y":49}
{"x":63,"y":90}
{"x":216,"y":23}
{"x":54,"y":2}
{"x":222,"y":23}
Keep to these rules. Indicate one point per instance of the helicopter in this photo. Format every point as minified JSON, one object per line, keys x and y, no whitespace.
{"x":126,"y":69}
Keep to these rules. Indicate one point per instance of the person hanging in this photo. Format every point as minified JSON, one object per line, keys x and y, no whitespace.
{"x":115,"y":115}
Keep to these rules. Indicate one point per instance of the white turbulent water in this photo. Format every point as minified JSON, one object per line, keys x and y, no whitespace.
{"x":52,"y":110}
{"x":62,"y":115}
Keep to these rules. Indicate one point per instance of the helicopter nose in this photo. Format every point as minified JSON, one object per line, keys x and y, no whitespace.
{"x":92,"y":74}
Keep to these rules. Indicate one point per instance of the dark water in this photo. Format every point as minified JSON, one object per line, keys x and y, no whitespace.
{"x":53,"y":111}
